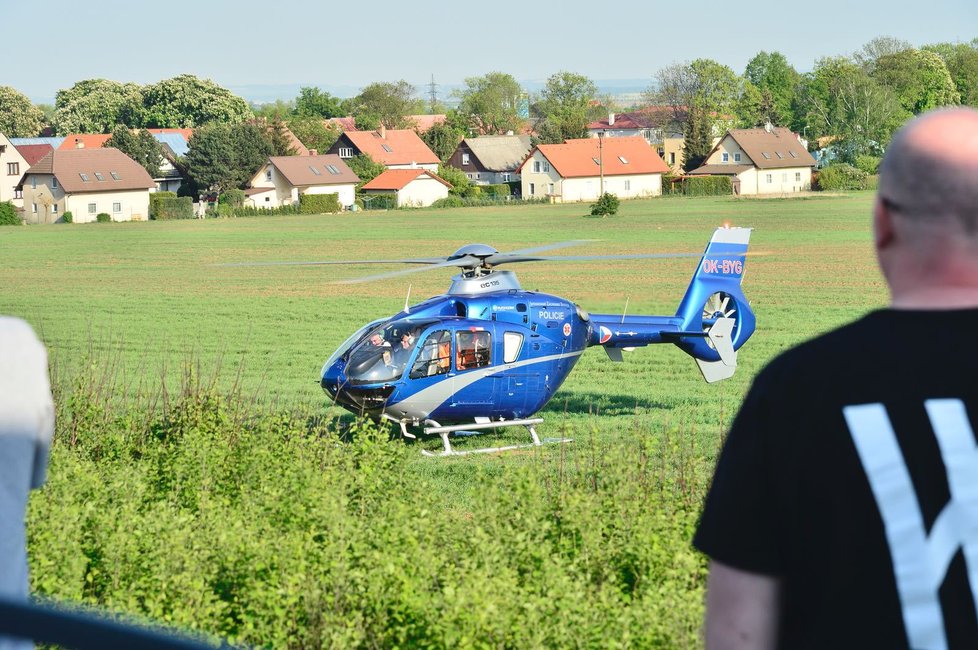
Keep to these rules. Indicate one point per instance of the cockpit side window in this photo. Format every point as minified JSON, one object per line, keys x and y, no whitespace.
{"x":473,"y":349}
{"x":435,"y":356}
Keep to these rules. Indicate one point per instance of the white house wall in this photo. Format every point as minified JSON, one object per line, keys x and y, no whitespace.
{"x":346,"y":192}
{"x":539,"y":182}
{"x":9,"y":180}
{"x":43,"y":203}
{"x":431,"y":167}
{"x":133,"y":205}
{"x":624,"y":187}
{"x":421,"y":192}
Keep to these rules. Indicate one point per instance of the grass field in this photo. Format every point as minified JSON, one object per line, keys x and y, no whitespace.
{"x":140,"y":300}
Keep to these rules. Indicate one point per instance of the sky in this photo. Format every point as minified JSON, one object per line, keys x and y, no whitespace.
{"x":246,"y":44}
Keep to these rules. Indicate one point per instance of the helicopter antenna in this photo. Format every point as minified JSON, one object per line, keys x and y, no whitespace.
{"x":625,"y":310}
{"x":406,"y":299}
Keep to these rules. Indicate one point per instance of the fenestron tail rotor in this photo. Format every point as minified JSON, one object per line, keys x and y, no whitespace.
{"x":719,"y":304}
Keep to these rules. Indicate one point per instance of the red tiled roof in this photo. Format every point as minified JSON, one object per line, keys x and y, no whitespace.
{"x":424,"y":122}
{"x":395,"y":147}
{"x":345,"y":123}
{"x":33,"y":152}
{"x":398,"y":179}
{"x":618,"y":156}
{"x":68,"y":165}
{"x":186,"y":133}
{"x":87,"y":140}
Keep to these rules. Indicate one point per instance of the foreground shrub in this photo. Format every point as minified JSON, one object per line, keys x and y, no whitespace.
{"x":319,"y":203}
{"x":67,"y":217}
{"x":234,"y":198}
{"x":8,"y":214}
{"x":269,"y":528}
{"x":103,"y":217}
{"x":607,"y":204}
{"x":171,"y":207}
{"x":841,"y":177}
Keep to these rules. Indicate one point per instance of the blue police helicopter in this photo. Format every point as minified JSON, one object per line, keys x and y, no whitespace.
{"x":489,"y":354}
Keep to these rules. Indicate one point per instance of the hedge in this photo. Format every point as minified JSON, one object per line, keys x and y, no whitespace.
{"x":253,"y":211}
{"x":171,"y":207}
{"x":707,"y":186}
{"x":8,"y":214}
{"x":841,"y":177}
{"x":319,"y":203}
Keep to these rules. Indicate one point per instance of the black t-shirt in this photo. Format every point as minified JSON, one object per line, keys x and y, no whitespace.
{"x":802,"y":485}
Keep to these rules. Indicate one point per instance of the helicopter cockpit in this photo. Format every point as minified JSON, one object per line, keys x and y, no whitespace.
{"x":383,"y":354}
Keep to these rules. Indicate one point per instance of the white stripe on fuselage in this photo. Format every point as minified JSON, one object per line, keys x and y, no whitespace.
{"x":425,"y":401}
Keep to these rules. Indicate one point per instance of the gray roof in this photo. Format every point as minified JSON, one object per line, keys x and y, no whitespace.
{"x":499,"y":153}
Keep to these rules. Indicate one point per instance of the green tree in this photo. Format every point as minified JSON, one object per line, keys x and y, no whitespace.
{"x":96,"y":106}
{"x":961,"y":60}
{"x":698,"y":140}
{"x":365,"y":167}
{"x":226,"y":156}
{"x":19,"y":118}
{"x":702,"y":83}
{"x":314,"y":132}
{"x":313,"y":102}
{"x":877,"y":48}
{"x":280,"y":109}
{"x":458,"y":179}
{"x":841,"y":100}
{"x":276,"y":132}
{"x":387,"y":102}
{"x":140,"y":146}
{"x":919,"y":78}
{"x":772,"y":73}
{"x":186,"y":101}
{"x":443,"y":138}
{"x":491,"y":103}
{"x":564,"y":106}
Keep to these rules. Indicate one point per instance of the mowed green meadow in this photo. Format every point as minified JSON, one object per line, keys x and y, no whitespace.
{"x":234,"y":508}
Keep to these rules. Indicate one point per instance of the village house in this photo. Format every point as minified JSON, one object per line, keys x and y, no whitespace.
{"x":580,"y":170}
{"x":415,"y":188}
{"x":85,"y":182}
{"x":12,"y":166}
{"x":393,"y":148}
{"x":768,"y":160}
{"x":491,"y":159}
{"x":657,"y":124}
{"x":282,"y":179}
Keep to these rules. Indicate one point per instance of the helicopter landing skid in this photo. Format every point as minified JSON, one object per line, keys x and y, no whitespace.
{"x":444,"y":432}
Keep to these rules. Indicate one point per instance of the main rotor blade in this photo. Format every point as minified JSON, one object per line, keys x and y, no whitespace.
{"x":420,"y":260}
{"x":647,"y":256}
{"x":393,"y":274}
{"x":549,"y":247}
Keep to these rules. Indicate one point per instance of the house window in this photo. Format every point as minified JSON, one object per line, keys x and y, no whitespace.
{"x":477,"y":176}
{"x":662,"y":152}
{"x":333,"y":169}
{"x":13,"y":169}
{"x":54,"y":182}
{"x":315,"y":171}
{"x":784,"y":178}
{"x":778,"y":154}
{"x":387,"y":148}
{"x":596,"y":162}
{"x":550,"y":188}
{"x":628,"y":185}
{"x":726,"y":157}
{"x":346,"y":152}
{"x":117,"y":207}
{"x":672,"y":157}
{"x":268,"y":174}
{"x":34,"y":208}
{"x":536,"y":166}
{"x":54,"y":209}
{"x":768,"y":179}
{"x":792,"y":154}
{"x":99,"y":177}
{"x":3,"y":148}
{"x":505,"y":177}
{"x":465,"y":159}
{"x":268,"y":199}
{"x":546,"y":166}
{"x":736,"y":157}
{"x":115,"y":176}
{"x":91,"y":208}
{"x":623,"y":160}
{"x":797,"y":177}
{"x":18,"y":194}
{"x":766,"y":155}
{"x":83,"y":176}
{"x":533,"y":189}
{"x":469,"y":176}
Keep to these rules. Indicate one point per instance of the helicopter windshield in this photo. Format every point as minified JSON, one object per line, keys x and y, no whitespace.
{"x":383,"y":354}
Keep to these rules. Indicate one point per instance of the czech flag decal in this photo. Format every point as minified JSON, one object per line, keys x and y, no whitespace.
{"x":605,"y":335}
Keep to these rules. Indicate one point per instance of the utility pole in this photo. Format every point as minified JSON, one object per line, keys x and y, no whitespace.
{"x":433,"y":94}
{"x":601,"y":159}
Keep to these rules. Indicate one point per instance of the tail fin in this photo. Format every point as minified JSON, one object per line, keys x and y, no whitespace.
{"x":715,"y":305}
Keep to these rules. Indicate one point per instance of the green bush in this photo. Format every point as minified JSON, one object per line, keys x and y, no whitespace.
{"x":841,"y":177}
{"x":319,"y":203}
{"x":497,"y":190}
{"x":8,"y":214}
{"x":472,"y":191}
{"x":456,"y":177}
{"x":155,"y":199}
{"x":607,"y":204}
{"x":868,"y":164}
{"x":67,"y":217}
{"x":234,"y":198}
{"x":252,"y":211}
{"x":172,"y":207}
{"x":707,"y":186}
{"x":449,"y":202}
{"x":103,"y":217}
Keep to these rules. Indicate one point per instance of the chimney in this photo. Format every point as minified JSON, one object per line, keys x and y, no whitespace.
{"x":383,"y":132}
{"x":313,"y":152}
{"x":611,"y":119}
{"x":768,"y":126}
{"x":79,"y":144}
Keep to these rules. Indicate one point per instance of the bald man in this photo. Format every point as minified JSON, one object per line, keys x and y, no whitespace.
{"x":26,"y":427}
{"x":844,"y":509}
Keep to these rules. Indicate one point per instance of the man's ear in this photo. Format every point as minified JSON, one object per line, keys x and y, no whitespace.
{"x":882,"y":225}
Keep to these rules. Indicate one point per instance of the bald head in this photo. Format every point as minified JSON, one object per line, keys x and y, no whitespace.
{"x":930,"y":171}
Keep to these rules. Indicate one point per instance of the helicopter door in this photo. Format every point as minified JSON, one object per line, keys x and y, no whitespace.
{"x":474,"y":353}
